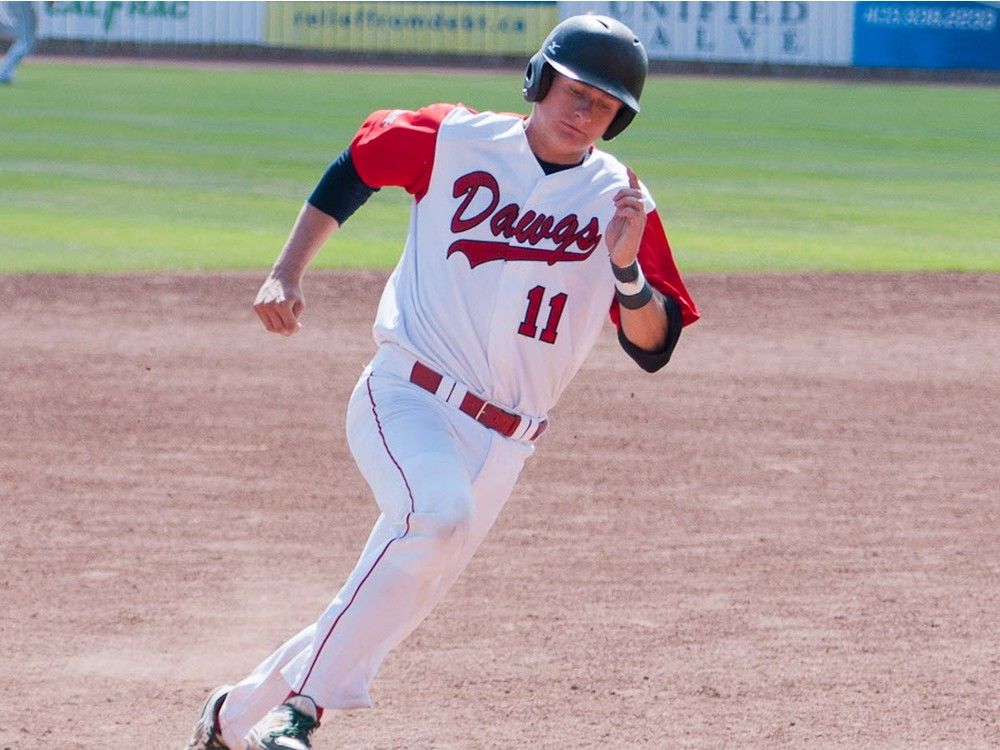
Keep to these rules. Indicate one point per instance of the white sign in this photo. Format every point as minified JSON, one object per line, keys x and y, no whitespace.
{"x":803,"y":33}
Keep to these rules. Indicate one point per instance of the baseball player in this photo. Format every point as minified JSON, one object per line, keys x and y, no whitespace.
{"x":522,"y":237}
{"x":18,"y":21}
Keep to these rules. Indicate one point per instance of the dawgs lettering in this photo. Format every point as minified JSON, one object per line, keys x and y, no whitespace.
{"x":509,"y":223}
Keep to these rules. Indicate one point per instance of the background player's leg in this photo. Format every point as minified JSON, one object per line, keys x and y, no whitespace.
{"x":22,"y":27}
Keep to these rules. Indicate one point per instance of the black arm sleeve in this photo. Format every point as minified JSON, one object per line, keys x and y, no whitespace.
{"x":341,"y":191}
{"x":653,"y":361}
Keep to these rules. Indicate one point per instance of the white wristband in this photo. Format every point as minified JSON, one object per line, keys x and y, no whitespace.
{"x":631,"y":288}
{"x":629,"y":280}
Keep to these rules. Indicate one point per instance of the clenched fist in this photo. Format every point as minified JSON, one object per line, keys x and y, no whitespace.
{"x":279,"y":305}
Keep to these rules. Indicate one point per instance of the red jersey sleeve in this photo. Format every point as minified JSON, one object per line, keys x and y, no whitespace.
{"x":396,"y":147}
{"x":659,"y":268}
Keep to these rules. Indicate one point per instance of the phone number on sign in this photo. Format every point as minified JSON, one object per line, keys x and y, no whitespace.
{"x":961,"y":19}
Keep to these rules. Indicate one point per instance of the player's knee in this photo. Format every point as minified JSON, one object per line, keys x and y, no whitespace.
{"x":451,"y":522}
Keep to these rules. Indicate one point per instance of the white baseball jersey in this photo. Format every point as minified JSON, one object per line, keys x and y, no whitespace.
{"x":504,"y":282}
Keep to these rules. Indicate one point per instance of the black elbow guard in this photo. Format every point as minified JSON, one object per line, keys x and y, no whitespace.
{"x":653,"y":361}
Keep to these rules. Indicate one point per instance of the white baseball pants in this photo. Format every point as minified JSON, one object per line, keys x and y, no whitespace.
{"x":440,"y":479}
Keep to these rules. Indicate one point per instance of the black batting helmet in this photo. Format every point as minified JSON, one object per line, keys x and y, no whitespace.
{"x":599,"y":51}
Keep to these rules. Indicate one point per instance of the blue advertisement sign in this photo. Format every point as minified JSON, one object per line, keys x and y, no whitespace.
{"x":927,"y":35}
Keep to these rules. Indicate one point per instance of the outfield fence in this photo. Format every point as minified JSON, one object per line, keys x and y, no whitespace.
{"x":920,"y":36}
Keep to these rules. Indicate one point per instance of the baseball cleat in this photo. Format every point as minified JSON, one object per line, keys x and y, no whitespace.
{"x":287,"y":727}
{"x":206,"y":735}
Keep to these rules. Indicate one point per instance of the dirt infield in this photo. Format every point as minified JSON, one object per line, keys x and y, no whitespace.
{"x":788,"y":539}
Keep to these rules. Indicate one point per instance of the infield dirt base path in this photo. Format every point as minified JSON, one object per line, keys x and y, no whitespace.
{"x":790,"y":538}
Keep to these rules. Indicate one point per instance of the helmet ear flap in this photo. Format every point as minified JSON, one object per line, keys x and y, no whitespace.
{"x":621,"y":121}
{"x":537,"y":78}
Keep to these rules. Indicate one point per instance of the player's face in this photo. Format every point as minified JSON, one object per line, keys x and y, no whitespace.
{"x":570,"y":119}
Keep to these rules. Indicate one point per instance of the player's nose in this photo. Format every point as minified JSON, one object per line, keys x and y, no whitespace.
{"x":584,"y":108}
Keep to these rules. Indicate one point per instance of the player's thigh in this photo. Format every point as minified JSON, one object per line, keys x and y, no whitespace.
{"x":405,"y":444}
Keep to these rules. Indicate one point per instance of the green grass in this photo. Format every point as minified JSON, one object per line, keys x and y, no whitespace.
{"x":114,"y":168}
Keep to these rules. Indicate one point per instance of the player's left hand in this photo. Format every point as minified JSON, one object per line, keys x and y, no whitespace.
{"x":626,"y":226}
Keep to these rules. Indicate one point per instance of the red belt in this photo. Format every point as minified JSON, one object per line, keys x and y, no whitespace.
{"x":487,"y":414}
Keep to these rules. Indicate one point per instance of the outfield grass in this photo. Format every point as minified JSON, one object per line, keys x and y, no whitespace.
{"x":113,"y":168}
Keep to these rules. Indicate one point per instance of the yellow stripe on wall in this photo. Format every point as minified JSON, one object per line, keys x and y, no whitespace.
{"x":455,"y":27}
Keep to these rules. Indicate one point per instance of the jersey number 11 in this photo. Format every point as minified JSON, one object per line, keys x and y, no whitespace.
{"x":556,"y":304}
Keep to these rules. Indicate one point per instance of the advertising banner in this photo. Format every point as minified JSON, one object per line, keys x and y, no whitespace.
{"x":445,"y":27}
{"x":153,"y":22}
{"x":786,"y":33}
{"x":927,"y":35}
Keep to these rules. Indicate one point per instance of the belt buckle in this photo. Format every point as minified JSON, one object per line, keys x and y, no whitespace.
{"x":508,"y":423}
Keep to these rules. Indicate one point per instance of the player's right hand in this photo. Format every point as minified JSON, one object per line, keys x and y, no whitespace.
{"x":279,"y":305}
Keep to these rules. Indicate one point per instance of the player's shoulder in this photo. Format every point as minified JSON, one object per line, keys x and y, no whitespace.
{"x":433,"y":116}
{"x":606,"y":164}
{"x":610,"y":173}
{"x":605,"y":167}
{"x":430,"y":116}
{"x":482,"y":124}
